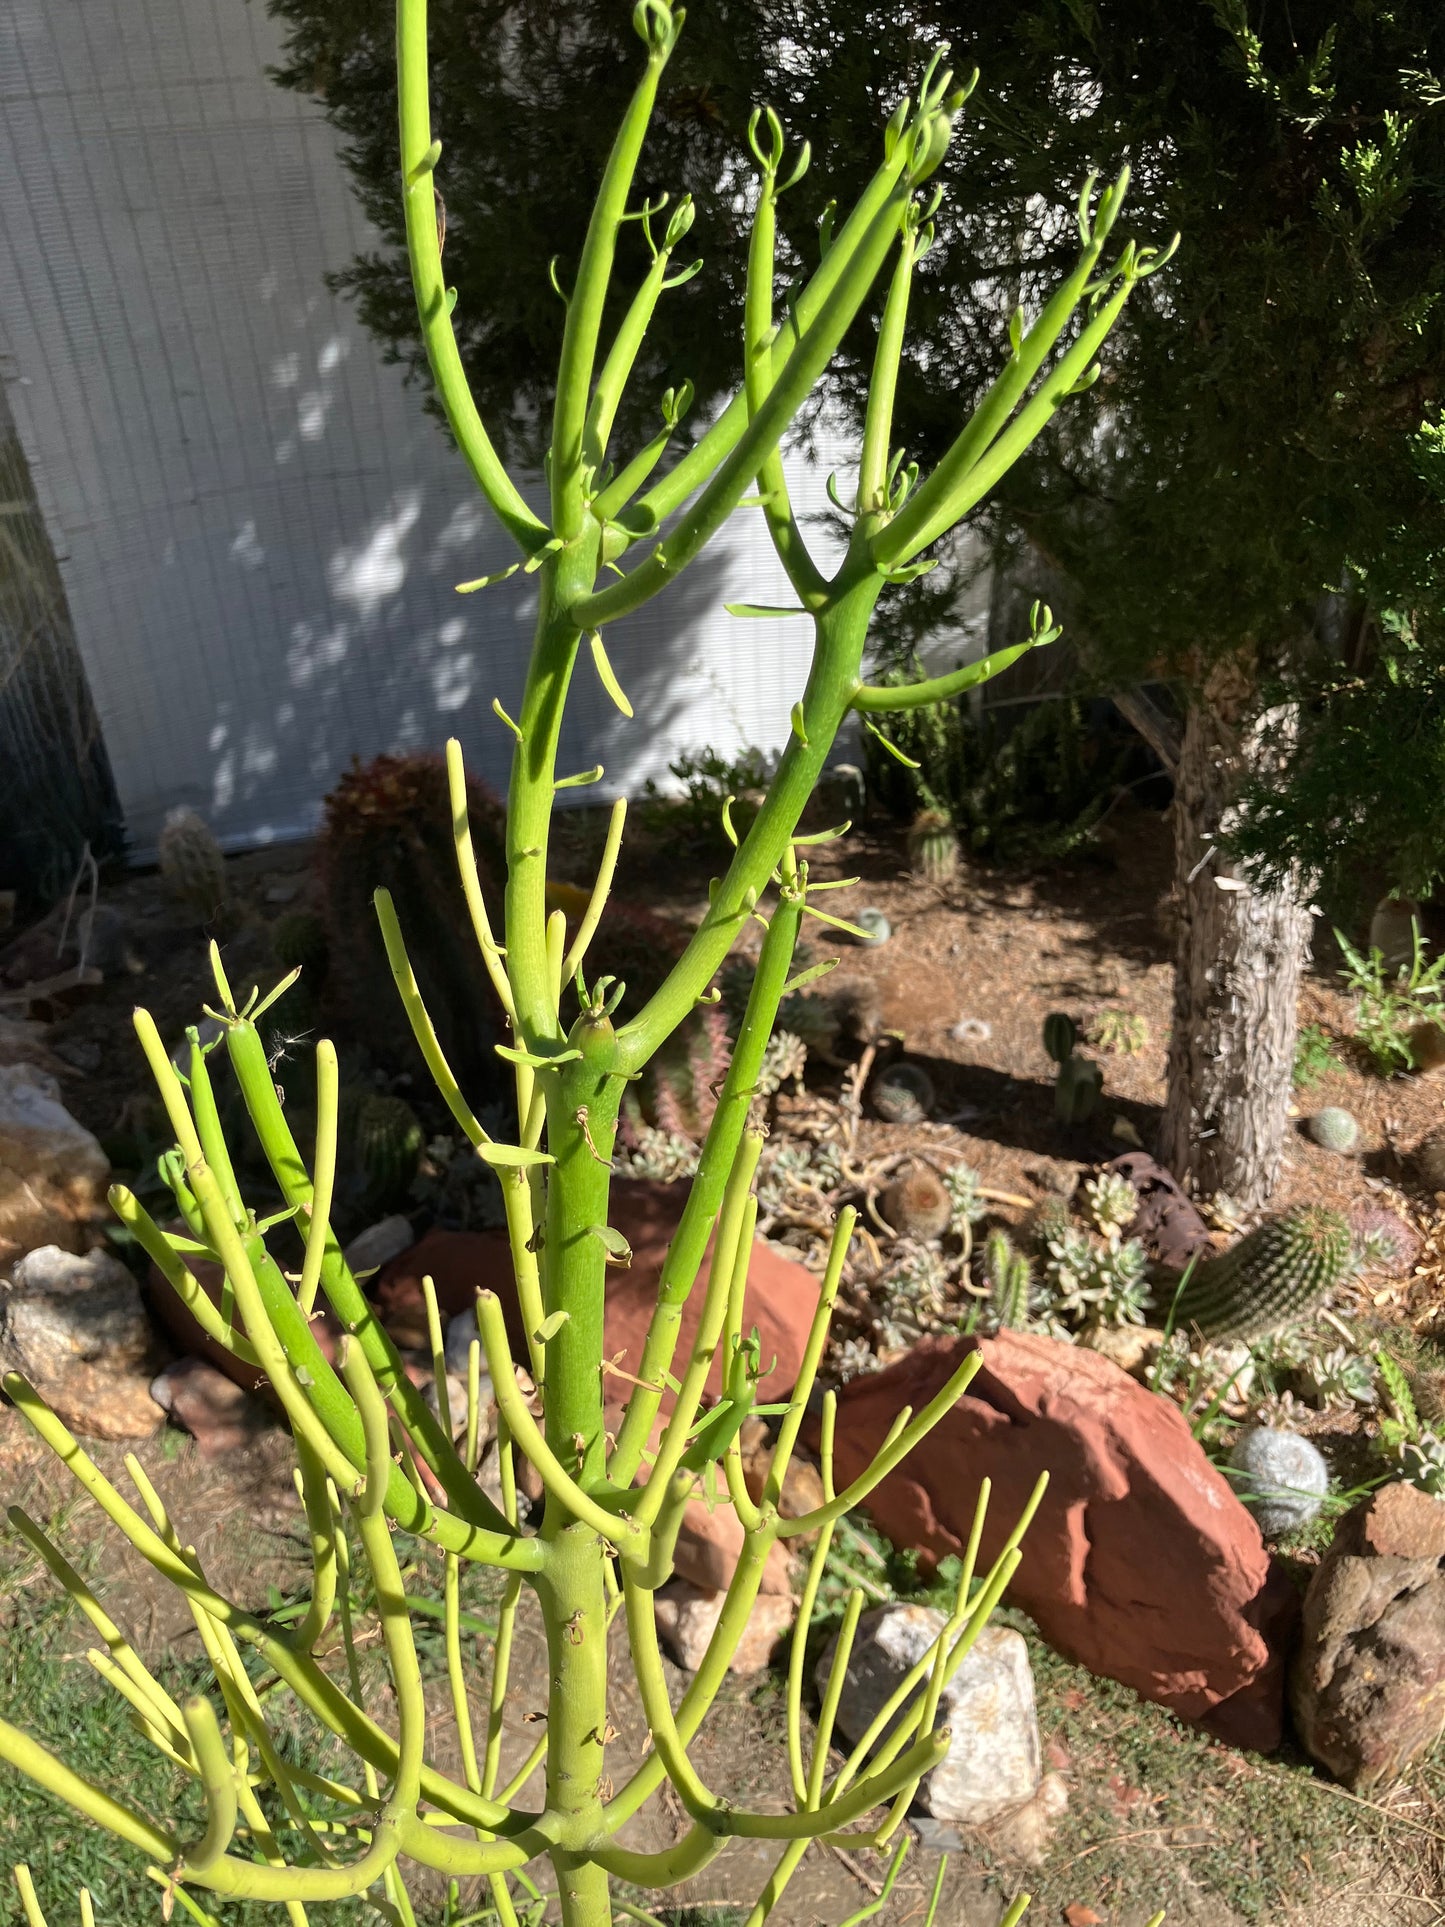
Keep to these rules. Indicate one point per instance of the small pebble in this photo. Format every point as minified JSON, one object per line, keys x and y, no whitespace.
{"x":971,"y":1030}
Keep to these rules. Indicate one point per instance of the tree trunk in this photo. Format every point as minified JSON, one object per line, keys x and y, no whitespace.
{"x":1240,"y":951}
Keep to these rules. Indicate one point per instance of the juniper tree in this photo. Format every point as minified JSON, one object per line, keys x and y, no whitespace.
{"x":1252,"y":444}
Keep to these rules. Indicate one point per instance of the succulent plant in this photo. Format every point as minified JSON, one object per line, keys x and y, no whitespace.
{"x":1096,"y":1281}
{"x":1077,"y":1089}
{"x":1282,"y":1478}
{"x":1124,"y":1031}
{"x":1113,"y":1202}
{"x":1049,"y":1220}
{"x":875,"y":927}
{"x":786,"y":1056}
{"x":903,"y":1093}
{"x":932,"y":847}
{"x":1009,"y":1277}
{"x":1334,"y":1129}
{"x":961,"y":1181}
{"x":1061,"y":1034}
{"x":1340,"y":1377}
{"x":1422,"y":1463}
{"x":192,"y":866}
{"x":917,"y":1203}
{"x":1276,"y":1274}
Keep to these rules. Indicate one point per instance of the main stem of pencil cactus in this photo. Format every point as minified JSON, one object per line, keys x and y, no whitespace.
{"x":373,"y":1457}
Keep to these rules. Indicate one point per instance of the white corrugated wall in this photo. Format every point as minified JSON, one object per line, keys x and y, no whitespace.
{"x":259,"y":529}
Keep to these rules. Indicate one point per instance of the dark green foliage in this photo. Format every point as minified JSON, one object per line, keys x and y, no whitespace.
{"x":1014,"y":784}
{"x":388,"y":825}
{"x":1275,"y":1275}
{"x":696,"y":816}
{"x":1314,"y":1056}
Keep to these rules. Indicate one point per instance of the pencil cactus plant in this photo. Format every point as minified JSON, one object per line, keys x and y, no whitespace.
{"x":374,"y":1457}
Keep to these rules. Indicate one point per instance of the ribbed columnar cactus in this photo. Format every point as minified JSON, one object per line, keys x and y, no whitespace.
{"x":374,"y":1458}
{"x":1009,"y":1277}
{"x":1275,"y":1275}
{"x":192,"y":866}
{"x":932,"y":847}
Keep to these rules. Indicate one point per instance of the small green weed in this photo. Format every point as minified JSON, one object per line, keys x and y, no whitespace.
{"x":1314,"y":1057}
{"x":1388,"y":1008}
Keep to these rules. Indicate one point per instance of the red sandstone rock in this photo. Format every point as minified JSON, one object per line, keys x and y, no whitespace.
{"x":708,"y":1545}
{"x":1141,"y":1564}
{"x":781,"y":1296}
{"x":220,"y":1415}
{"x":191,"y":1341}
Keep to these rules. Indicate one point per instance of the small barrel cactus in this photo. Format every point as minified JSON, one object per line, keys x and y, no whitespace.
{"x":298,"y":942}
{"x":1273,"y":1277}
{"x":1048,"y":1222}
{"x":1334,"y":1129}
{"x":1281,"y":1477}
{"x":917,"y":1204}
{"x":192,"y":866}
{"x":903,"y":1093}
{"x":875,"y":927}
{"x":385,"y":1140}
{"x":1077,"y":1089}
{"x":932,"y":847}
{"x":1009,"y":1277}
{"x":1061,"y":1034}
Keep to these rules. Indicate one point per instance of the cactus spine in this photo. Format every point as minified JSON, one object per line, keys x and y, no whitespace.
{"x":933,"y":847}
{"x":1009,"y":1277}
{"x":193,"y":866}
{"x":1273,"y":1277}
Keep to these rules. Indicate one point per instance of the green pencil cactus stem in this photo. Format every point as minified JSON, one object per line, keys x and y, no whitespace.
{"x":374,"y":1456}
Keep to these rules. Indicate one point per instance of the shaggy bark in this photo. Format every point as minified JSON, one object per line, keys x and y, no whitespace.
{"x":1239,"y":954}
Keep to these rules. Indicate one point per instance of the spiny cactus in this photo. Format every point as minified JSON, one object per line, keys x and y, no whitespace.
{"x":192,"y":866}
{"x":1334,"y":1129}
{"x":383,"y":1139}
{"x":1274,"y":1276}
{"x":875,"y":927}
{"x":1061,"y":1034}
{"x":1079,"y":1080}
{"x":1077,"y":1089}
{"x":1281,"y":1477}
{"x":1048,"y":1222}
{"x":903,"y":1094}
{"x":932,"y":847}
{"x":678,"y":1090}
{"x":298,"y":942}
{"x":917,"y":1204}
{"x":1009,"y":1277}
{"x":388,"y":824}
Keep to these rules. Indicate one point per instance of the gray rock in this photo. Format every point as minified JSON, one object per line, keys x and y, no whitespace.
{"x":842,"y":791}
{"x":994,"y":1763}
{"x":369,"y":1250}
{"x":77,"y":1330}
{"x":1368,"y":1682}
{"x":210,"y":1030}
{"x":53,"y":1174}
{"x":1282,"y":1478}
{"x":81,"y":1053}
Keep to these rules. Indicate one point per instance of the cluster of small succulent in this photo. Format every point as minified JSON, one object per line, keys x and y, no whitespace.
{"x":961,"y":1182}
{"x":1078,"y":1081}
{"x":1338,"y":1378}
{"x":658,"y":1155}
{"x":1095,"y":1277}
{"x":1418,"y":1453}
{"x":915,"y":1299}
{"x":786,"y":1056}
